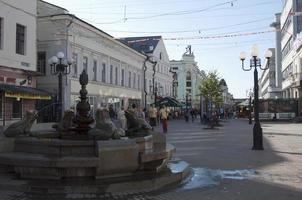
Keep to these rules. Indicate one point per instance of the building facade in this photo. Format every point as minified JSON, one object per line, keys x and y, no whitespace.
{"x":291,"y":27}
{"x":18,"y":59}
{"x":267,"y":83}
{"x":157,"y":75}
{"x":115,"y":70}
{"x":188,"y":78}
{"x":227,"y":97}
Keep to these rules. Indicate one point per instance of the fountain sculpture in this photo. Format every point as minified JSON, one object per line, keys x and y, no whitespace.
{"x":74,"y":150}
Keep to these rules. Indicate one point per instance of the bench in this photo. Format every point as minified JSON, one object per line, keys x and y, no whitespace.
{"x":266,"y":116}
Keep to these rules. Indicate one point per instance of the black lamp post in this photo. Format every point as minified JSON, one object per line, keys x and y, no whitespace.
{"x":60,"y":67}
{"x":155,"y":95}
{"x":249,"y":94}
{"x":254,"y":63}
{"x":250,"y":110}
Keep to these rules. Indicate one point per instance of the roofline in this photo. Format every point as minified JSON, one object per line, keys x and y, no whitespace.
{"x":75,"y":17}
{"x":141,"y":37}
{"x":110,"y":36}
{"x":54,"y":5}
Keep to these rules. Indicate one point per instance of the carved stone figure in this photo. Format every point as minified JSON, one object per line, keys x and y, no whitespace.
{"x":66,"y":122}
{"x":136,"y":126}
{"x":105,"y":129}
{"x":22,"y":127}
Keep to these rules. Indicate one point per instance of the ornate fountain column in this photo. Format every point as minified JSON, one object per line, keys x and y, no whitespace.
{"x":83,"y":117}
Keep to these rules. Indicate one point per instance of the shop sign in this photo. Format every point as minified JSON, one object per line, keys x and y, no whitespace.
{"x":27,"y":96}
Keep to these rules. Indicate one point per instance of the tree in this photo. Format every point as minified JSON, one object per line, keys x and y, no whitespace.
{"x":211,"y":90}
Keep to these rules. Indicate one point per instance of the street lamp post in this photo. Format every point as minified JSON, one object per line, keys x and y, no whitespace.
{"x":250,"y":110}
{"x":254,"y":63}
{"x":155,"y":95}
{"x":61,"y":67}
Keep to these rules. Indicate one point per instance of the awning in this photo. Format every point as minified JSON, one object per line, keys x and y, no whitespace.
{"x":168,"y":102}
{"x":244,"y":103}
{"x":22,"y":92}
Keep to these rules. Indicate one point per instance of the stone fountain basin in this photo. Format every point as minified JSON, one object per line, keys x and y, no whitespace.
{"x":54,"y":158}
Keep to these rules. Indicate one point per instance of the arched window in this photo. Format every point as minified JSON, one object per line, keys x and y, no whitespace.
{"x":188,"y":77}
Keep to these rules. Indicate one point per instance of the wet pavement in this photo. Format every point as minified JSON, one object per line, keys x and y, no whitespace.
{"x":223,"y":165}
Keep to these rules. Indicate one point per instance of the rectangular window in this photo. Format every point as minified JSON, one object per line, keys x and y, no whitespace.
{"x":85,"y":64}
{"x":74,"y":67}
{"x":41,"y":63}
{"x":104,"y":73}
{"x":123,"y":78}
{"x":138,"y":81}
{"x":95,"y":66}
{"x":1,"y":33}
{"x":111,"y":75}
{"x":134,"y":80}
{"x":17,"y":109}
{"x":20,"y":39}
{"x":116,"y":76}
{"x":129,"y":79}
{"x":150,"y":86}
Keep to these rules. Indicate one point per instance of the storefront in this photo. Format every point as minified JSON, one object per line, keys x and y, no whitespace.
{"x":16,"y":100}
{"x":101,"y":96}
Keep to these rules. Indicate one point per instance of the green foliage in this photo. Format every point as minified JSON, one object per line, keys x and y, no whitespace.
{"x":210,"y":88}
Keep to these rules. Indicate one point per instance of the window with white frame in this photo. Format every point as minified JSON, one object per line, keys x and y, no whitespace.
{"x":111,"y":75}
{"x":150,"y":86}
{"x":41,"y":62}
{"x":85,"y":64}
{"x":129,"y":79}
{"x":95,"y":69}
{"x":123,"y":77}
{"x":104,"y":72}
{"x":116,"y":76}
{"x":20,"y":39}
{"x":74,"y":67}
{"x":134,"y":80}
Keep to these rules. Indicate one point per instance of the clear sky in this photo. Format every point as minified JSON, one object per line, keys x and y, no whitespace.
{"x":185,"y":20}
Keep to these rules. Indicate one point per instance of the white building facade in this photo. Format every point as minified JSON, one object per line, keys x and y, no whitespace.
{"x":115,"y":70}
{"x":188,"y":78}
{"x":291,"y":27}
{"x":267,"y":82}
{"x":157,"y":74}
{"x":18,"y":59}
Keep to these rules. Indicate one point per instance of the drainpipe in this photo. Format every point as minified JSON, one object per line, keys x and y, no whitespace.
{"x":145,"y":81}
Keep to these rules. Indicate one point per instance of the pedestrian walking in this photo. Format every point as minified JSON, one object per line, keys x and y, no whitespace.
{"x":152,"y":116}
{"x":122,"y":119}
{"x":141,"y":114}
{"x":112,"y":113}
{"x":192,"y":114}
{"x":164,"y":118}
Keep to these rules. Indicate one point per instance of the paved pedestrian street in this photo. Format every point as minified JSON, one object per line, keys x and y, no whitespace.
{"x":223,"y":164}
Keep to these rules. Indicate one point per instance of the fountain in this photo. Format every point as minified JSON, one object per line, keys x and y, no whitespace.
{"x":101,"y":157}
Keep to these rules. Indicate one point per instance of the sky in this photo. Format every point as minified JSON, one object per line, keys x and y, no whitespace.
{"x":217,"y":30}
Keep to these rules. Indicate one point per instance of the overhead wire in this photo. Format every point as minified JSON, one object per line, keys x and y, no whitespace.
{"x":192,"y":30}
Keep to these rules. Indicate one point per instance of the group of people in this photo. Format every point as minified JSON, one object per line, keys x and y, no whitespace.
{"x":161,"y":115}
{"x":153,"y":116}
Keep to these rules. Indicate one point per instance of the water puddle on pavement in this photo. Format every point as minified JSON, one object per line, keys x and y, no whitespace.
{"x":202,"y":177}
